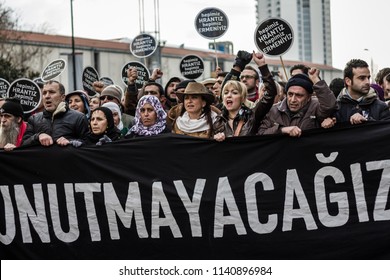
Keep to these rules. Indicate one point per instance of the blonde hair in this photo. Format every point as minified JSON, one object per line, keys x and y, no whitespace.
{"x":237,"y":85}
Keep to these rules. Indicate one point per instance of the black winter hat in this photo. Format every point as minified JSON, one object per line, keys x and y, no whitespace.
{"x":12,"y":106}
{"x":183,"y":84}
{"x":301,"y":80}
{"x":171,"y":80}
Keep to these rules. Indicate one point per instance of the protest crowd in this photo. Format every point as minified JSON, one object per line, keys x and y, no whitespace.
{"x":244,"y":101}
{"x":247,"y":163}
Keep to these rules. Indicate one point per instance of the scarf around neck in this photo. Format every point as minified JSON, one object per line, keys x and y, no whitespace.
{"x":185,"y":124}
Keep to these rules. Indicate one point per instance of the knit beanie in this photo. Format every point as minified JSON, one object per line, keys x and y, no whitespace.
{"x":12,"y":106}
{"x":301,"y":80}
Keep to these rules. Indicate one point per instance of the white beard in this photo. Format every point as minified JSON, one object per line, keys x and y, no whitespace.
{"x":9,"y":135}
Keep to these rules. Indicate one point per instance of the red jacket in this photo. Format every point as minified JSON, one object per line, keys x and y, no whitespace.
{"x":23,"y":127}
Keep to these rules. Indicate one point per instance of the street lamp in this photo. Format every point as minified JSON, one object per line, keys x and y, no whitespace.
{"x":371,"y":65}
{"x":73,"y":46}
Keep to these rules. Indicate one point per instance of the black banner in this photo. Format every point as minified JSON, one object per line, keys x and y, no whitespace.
{"x":324,"y":195}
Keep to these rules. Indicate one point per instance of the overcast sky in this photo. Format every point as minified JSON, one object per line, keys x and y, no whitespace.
{"x":356,"y":25}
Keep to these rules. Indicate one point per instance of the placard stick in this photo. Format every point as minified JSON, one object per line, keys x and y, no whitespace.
{"x":284,"y":68}
{"x":216,"y":55}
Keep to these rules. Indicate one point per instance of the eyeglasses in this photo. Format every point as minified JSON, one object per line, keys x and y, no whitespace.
{"x":247,"y":77}
{"x":109,"y":98}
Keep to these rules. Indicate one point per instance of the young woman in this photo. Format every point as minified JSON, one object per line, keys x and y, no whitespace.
{"x":150,"y":118}
{"x":196,"y":117}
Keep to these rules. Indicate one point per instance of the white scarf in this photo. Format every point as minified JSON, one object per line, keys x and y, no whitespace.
{"x":187,"y":125}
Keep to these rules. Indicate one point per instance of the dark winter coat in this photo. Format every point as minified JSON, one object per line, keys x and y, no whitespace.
{"x":369,"y":106}
{"x":309,"y":117}
{"x":71,"y":124}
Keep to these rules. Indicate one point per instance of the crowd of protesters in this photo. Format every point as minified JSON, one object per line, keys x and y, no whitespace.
{"x":244,"y":101}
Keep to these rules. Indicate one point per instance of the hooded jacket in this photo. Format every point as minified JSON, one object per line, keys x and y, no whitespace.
{"x":368,"y":106}
{"x":84,"y":98}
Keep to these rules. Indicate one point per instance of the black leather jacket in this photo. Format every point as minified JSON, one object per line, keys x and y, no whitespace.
{"x":68,"y":123}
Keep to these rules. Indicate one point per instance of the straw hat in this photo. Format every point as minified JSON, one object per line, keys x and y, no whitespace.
{"x":195,"y":88}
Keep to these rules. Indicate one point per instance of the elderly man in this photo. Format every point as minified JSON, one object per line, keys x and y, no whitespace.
{"x":12,"y":126}
{"x":57,"y":123}
{"x":300,"y":110}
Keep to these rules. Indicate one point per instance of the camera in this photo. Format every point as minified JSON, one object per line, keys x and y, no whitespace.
{"x":275,"y":73}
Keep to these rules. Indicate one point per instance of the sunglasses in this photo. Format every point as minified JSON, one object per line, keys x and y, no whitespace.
{"x":110,"y":98}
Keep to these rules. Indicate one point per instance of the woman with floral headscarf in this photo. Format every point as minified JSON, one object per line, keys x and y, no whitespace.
{"x":150,"y":118}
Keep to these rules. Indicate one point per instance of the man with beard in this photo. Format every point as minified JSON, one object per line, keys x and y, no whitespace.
{"x":358,"y":102}
{"x":12,"y":126}
{"x":250,"y":77}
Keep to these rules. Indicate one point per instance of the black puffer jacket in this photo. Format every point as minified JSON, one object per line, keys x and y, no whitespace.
{"x":369,"y":106}
{"x":65,"y":122}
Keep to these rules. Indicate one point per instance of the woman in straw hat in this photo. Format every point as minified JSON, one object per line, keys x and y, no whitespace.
{"x":196,"y":117}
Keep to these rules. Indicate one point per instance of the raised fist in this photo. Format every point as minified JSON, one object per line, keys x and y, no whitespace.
{"x":242,"y":59}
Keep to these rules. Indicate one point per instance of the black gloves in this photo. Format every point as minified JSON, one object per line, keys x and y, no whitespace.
{"x":242,"y":59}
